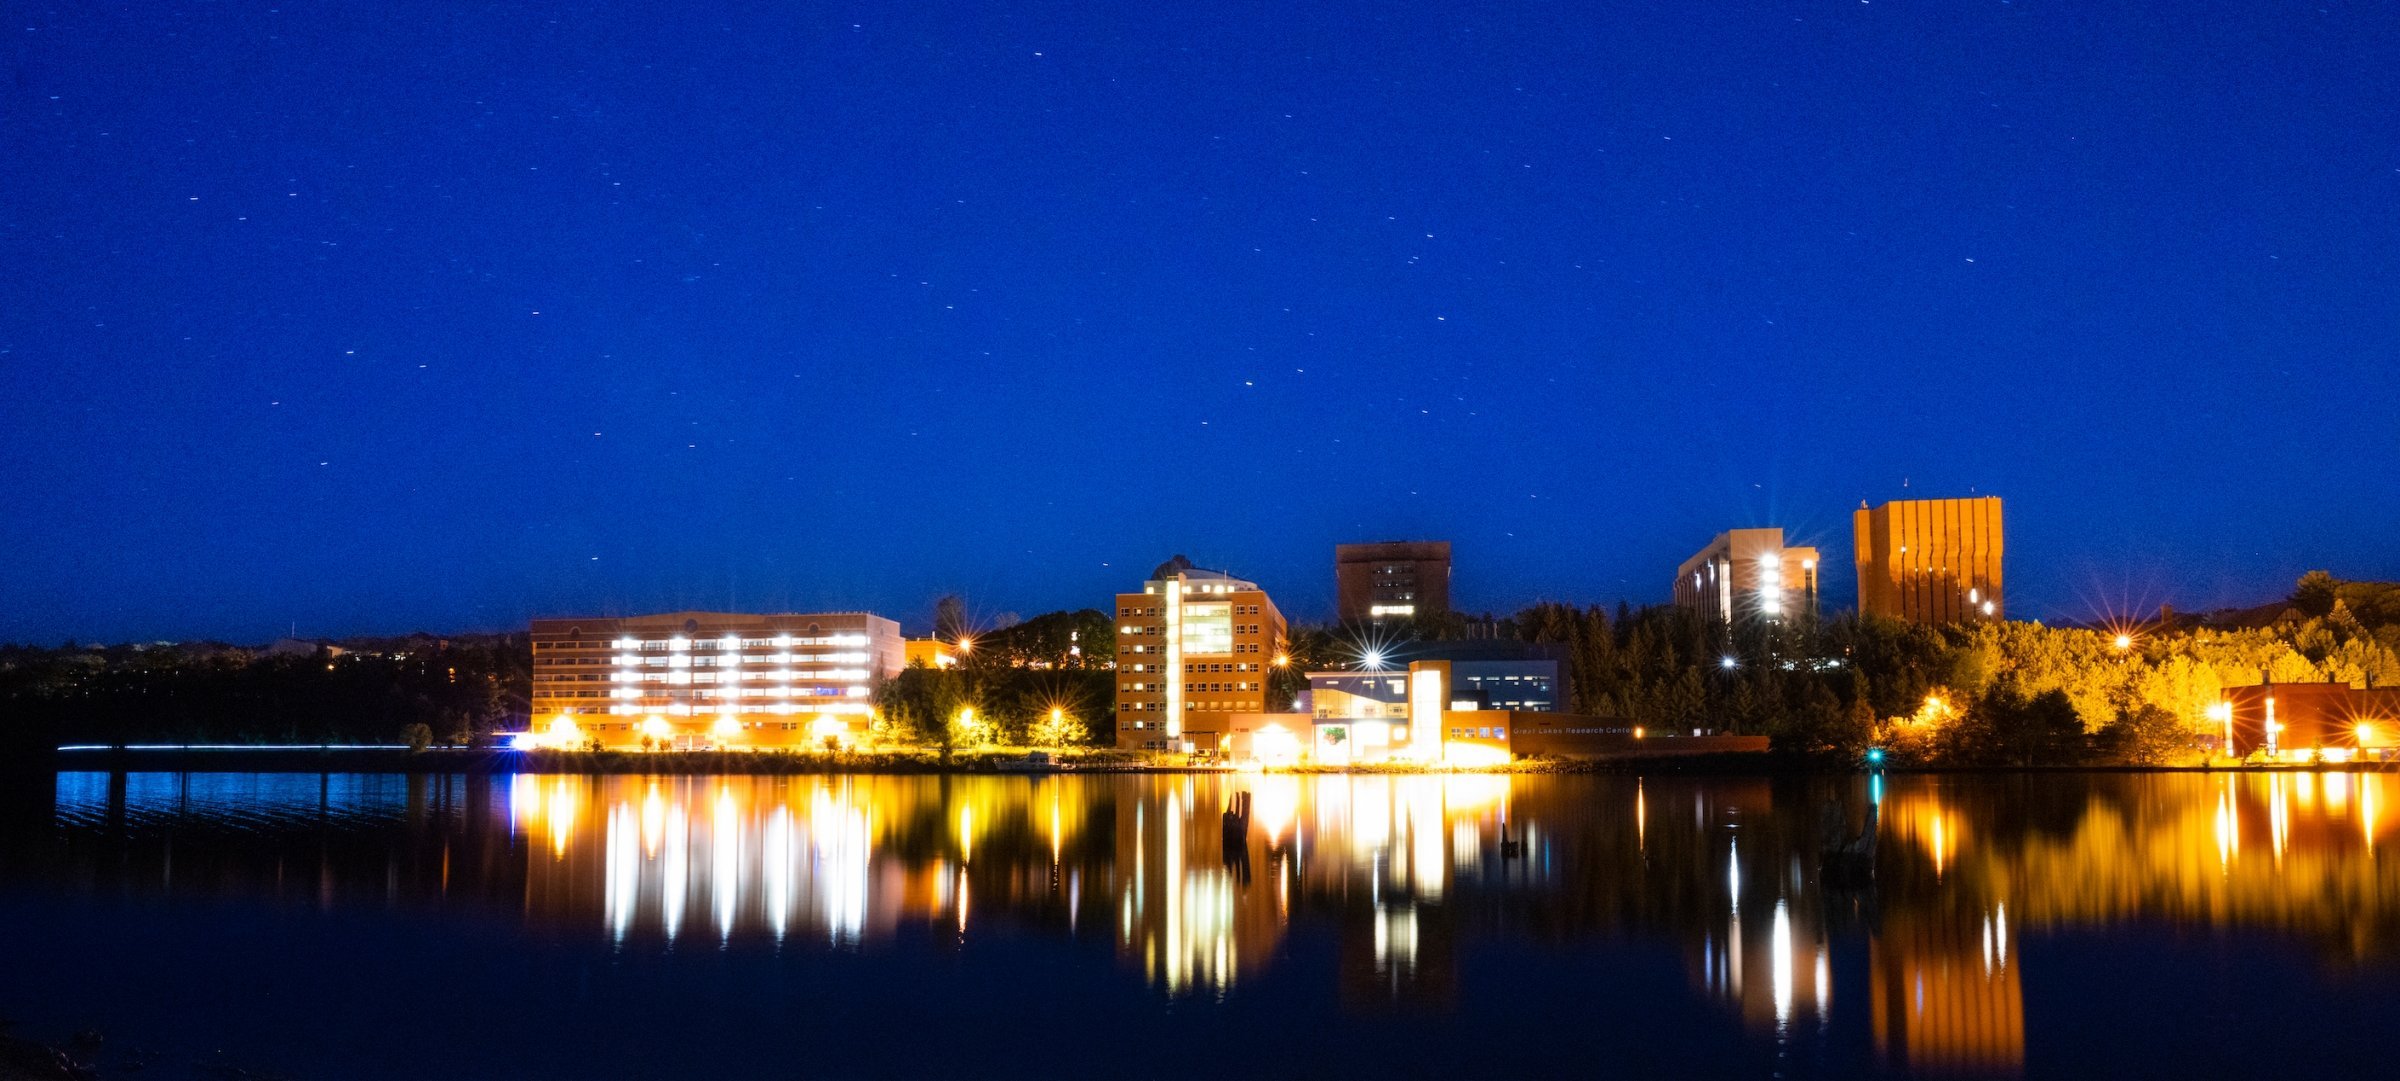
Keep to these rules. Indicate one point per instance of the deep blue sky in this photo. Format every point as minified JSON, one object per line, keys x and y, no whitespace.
{"x":372,"y":317}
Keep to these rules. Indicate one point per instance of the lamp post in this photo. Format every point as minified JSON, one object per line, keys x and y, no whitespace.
{"x":2222,"y":712}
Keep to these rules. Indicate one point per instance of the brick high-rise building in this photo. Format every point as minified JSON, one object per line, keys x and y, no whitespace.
{"x":1930,"y":560}
{"x":1194,"y":648}
{"x":1375,"y":583}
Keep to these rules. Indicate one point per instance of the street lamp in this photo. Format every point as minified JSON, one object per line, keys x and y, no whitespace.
{"x":2223,"y":712}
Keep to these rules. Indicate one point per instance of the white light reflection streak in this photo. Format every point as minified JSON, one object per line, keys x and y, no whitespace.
{"x":725,"y":870}
{"x":777,"y":855}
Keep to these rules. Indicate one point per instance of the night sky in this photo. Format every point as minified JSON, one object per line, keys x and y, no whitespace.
{"x":365,"y":318}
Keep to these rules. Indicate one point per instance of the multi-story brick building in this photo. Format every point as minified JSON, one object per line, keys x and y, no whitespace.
{"x":1194,"y":648}
{"x":710,"y":679}
{"x":1391,"y":580}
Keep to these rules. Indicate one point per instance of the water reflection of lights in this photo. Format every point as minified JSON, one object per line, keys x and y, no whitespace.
{"x":1733,"y":876}
{"x":1780,"y":944}
{"x":1396,"y":939}
{"x":2228,"y":828}
{"x":2279,"y":815}
{"x":1275,"y":804}
{"x":2370,"y":804}
{"x":1406,"y":906}
{"x":725,"y":868}
{"x":849,"y":859}
{"x":1641,"y":817}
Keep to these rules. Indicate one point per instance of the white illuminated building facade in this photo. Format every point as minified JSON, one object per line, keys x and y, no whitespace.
{"x":1749,"y":574}
{"x":710,"y":679}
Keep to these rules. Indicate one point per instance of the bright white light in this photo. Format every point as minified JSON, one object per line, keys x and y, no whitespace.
{"x":1727,"y":662}
{"x":1733,"y":876}
{"x":679,"y":643}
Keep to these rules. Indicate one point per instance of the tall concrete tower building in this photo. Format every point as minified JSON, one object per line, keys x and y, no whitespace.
{"x":1930,"y":560}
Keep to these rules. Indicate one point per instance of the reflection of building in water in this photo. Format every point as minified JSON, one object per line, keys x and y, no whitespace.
{"x":1773,"y":963}
{"x":843,"y":859}
{"x":1947,"y":1001}
{"x":1391,"y":854}
{"x":715,"y":856}
{"x":1762,"y":946}
{"x":1199,"y":903}
{"x":1410,"y":873}
{"x":1402,"y":955}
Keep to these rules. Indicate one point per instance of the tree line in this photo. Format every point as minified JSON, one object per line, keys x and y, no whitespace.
{"x":460,"y":690}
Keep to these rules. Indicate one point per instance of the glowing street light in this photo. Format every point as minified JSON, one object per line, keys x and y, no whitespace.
{"x":1728,"y":663}
{"x":2124,"y":642}
{"x":2223,"y":712}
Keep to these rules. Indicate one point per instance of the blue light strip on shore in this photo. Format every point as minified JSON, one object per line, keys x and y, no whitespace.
{"x":238,"y":747}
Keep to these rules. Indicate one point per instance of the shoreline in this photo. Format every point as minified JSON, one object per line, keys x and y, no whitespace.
{"x":482,"y":761}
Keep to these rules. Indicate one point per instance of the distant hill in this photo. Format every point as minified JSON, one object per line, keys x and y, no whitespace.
{"x":2374,"y":605}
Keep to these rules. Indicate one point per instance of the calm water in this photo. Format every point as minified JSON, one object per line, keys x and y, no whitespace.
{"x":554,"y":926}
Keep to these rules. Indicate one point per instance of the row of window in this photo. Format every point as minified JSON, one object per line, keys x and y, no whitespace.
{"x":766,"y":726}
{"x":1221,"y":666}
{"x":686,"y":709}
{"x":636,"y":694}
{"x":1479,"y":733}
{"x":680,"y":677}
{"x":1158,"y":613}
{"x":734,"y":660}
